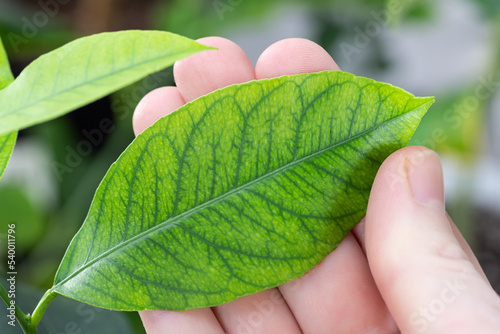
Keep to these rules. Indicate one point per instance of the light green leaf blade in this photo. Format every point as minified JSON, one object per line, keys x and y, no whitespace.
{"x":7,"y":141}
{"x":85,"y":70}
{"x":241,"y":190}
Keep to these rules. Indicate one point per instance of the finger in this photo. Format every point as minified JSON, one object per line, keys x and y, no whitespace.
{"x":185,"y":322}
{"x":428,"y":281}
{"x":210,"y":70}
{"x":341,"y":283}
{"x":293,"y":56}
{"x":325,"y":299}
{"x":359,"y":233}
{"x":264,"y":312}
{"x":155,"y":105}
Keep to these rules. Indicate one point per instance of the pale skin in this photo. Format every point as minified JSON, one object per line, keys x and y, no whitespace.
{"x":405,"y":268}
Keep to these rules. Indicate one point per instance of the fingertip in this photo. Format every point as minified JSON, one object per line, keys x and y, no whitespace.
{"x":293,"y":56}
{"x":206,"y":71}
{"x":391,"y":179}
{"x":155,"y":105}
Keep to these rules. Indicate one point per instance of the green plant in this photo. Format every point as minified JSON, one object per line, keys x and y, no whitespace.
{"x":238,"y":201}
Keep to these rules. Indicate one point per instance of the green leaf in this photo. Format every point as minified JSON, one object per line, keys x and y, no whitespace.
{"x":6,"y":76}
{"x":7,"y":141}
{"x":85,"y":70}
{"x":241,"y":190}
{"x":16,"y":206}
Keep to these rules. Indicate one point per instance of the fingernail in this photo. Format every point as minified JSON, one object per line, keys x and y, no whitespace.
{"x":425,"y":174}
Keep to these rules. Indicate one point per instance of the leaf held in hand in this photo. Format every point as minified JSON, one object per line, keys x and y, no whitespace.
{"x":85,"y":70}
{"x":238,"y":191}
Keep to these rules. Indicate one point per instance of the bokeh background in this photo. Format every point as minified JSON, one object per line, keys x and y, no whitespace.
{"x":446,"y":48}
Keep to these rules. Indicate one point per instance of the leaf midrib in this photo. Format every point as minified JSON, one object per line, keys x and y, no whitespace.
{"x":171,"y":221}
{"x":49,"y":97}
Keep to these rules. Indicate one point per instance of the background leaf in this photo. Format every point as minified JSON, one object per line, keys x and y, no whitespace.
{"x":85,"y":70}
{"x":6,"y":76}
{"x":7,"y":141}
{"x":241,"y":190}
{"x":17,"y":207}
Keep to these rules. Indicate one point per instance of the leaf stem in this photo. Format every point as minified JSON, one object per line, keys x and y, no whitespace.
{"x":47,"y":298}
{"x":23,"y":319}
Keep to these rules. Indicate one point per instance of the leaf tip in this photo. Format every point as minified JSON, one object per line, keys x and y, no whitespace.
{"x":208,"y":47}
{"x":427,"y":101}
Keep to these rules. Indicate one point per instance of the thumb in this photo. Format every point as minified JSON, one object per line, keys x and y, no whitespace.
{"x":425,"y":271}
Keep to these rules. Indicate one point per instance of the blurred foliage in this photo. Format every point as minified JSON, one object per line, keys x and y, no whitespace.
{"x":25,"y":35}
{"x":454,"y":125}
{"x":200,"y":18}
{"x":490,"y":8}
{"x":409,"y":10}
{"x":16,"y":206}
{"x":451,"y":127}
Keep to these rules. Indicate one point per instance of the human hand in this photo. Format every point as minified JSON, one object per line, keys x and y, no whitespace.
{"x":404,"y":268}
